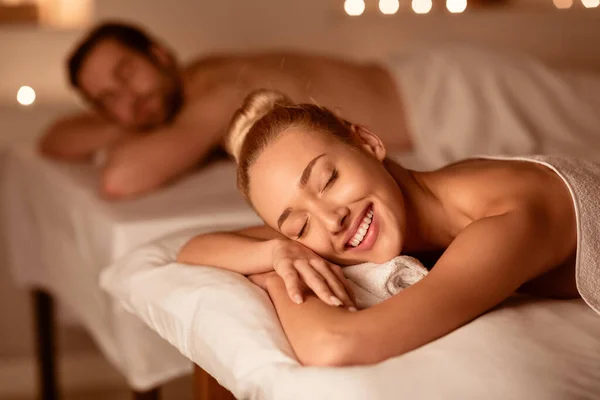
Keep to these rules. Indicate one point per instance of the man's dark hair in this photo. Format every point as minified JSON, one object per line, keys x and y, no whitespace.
{"x":128,"y":35}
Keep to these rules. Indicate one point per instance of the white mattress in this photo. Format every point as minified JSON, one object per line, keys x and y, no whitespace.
{"x":525,"y":349}
{"x":61,"y":235}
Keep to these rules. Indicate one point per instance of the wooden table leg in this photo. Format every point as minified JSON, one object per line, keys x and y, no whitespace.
{"x":207,"y":388}
{"x":43,"y":308}
{"x":152,"y":394}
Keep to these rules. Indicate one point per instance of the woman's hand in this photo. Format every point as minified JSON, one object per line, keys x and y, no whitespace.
{"x":299,"y":266}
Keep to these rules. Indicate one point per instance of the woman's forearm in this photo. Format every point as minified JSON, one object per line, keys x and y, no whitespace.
{"x":229,"y":250}
{"x":316,"y":331}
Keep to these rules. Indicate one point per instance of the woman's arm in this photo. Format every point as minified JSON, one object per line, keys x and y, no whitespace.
{"x":247,"y":251}
{"x":261,"y":249}
{"x":168,"y":152}
{"x":485,"y":264}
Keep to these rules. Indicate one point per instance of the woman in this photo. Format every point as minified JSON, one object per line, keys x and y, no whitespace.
{"x":330,"y":197}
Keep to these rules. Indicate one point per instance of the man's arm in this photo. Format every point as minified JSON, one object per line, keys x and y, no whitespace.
{"x":78,"y":137}
{"x":139,"y":166}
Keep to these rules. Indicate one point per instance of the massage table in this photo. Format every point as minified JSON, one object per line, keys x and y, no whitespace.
{"x":526,"y":348}
{"x":112,"y":265}
{"x":61,"y":234}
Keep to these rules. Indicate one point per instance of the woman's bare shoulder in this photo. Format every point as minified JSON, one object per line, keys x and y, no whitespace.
{"x":484,"y":187}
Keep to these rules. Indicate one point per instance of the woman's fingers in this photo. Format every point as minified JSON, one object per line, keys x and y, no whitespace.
{"x":326,"y":280}
{"x":333,"y":280}
{"x":316,"y":282}
{"x":339,"y":273}
{"x":286,"y":270}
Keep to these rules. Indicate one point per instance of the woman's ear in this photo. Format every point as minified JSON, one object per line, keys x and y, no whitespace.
{"x":369,"y":141}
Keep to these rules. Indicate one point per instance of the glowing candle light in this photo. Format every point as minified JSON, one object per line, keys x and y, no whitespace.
{"x":563,"y":4}
{"x":456,"y":6}
{"x":421,"y":6}
{"x":354,"y":7}
{"x":389,"y":7}
{"x":590,"y":3}
{"x":26,"y":95}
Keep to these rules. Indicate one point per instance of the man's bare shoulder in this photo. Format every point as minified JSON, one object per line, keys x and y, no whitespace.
{"x":210,"y":61}
{"x":265,"y":65}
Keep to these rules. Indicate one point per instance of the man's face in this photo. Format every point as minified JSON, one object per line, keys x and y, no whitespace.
{"x":138,"y":92}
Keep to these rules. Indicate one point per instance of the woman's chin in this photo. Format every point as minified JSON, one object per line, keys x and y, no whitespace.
{"x":375,"y":259}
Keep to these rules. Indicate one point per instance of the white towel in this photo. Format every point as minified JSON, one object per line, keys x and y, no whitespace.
{"x":373,"y":283}
{"x":583,"y":180}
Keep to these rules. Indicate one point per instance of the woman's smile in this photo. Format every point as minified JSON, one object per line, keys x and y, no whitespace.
{"x":363,"y":233}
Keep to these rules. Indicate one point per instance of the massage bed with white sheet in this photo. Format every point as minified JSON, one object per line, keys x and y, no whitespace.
{"x":527,"y":348}
{"x":62,"y":235}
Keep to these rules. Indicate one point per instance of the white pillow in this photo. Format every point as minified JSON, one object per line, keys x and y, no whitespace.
{"x":527,"y":349}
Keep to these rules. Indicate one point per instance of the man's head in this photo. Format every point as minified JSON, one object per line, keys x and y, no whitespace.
{"x":127,"y":76}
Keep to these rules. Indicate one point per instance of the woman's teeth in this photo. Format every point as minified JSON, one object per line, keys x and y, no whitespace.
{"x":362,"y":230}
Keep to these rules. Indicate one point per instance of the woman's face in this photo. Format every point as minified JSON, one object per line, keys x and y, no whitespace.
{"x":335,"y":199}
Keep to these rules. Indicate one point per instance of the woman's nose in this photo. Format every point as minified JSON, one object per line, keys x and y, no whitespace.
{"x":335,"y":219}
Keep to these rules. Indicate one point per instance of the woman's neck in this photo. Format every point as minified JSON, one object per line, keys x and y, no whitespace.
{"x":426,"y":221}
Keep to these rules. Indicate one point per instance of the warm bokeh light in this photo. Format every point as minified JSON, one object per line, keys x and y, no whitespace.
{"x":590,"y":3}
{"x":421,"y":6}
{"x":65,"y":13}
{"x":354,"y":7}
{"x":14,"y":2}
{"x":456,"y":6}
{"x":389,"y":7}
{"x":26,"y":95}
{"x":563,"y":4}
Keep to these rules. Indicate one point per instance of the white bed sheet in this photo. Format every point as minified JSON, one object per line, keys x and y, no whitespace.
{"x":61,"y":234}
{"x":526,"y":349}
{"x":462,"y":100}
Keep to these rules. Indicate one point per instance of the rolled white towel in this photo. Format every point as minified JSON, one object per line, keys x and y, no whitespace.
{"x":373,"y":283}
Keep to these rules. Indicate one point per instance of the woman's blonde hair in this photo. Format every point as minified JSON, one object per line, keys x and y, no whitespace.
{"x":263,"y":116}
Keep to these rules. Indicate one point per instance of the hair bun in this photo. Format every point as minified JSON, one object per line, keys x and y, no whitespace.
{"x":256,"y":105}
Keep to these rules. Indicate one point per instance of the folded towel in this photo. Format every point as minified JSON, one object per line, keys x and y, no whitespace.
{"x":373,"y":283}
{"x":583,"y":180}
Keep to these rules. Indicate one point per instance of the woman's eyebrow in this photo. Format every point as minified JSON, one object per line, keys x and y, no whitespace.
{"x":303,"y":181}
{"x":283,"y":217}
{"x":308,"y":170}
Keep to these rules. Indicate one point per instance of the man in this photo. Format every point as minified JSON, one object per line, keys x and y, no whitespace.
{"x":155,"y":120}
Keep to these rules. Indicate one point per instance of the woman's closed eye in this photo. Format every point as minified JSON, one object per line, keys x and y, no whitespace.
{"x":331,"y":180}
{"x":303,"y":230}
